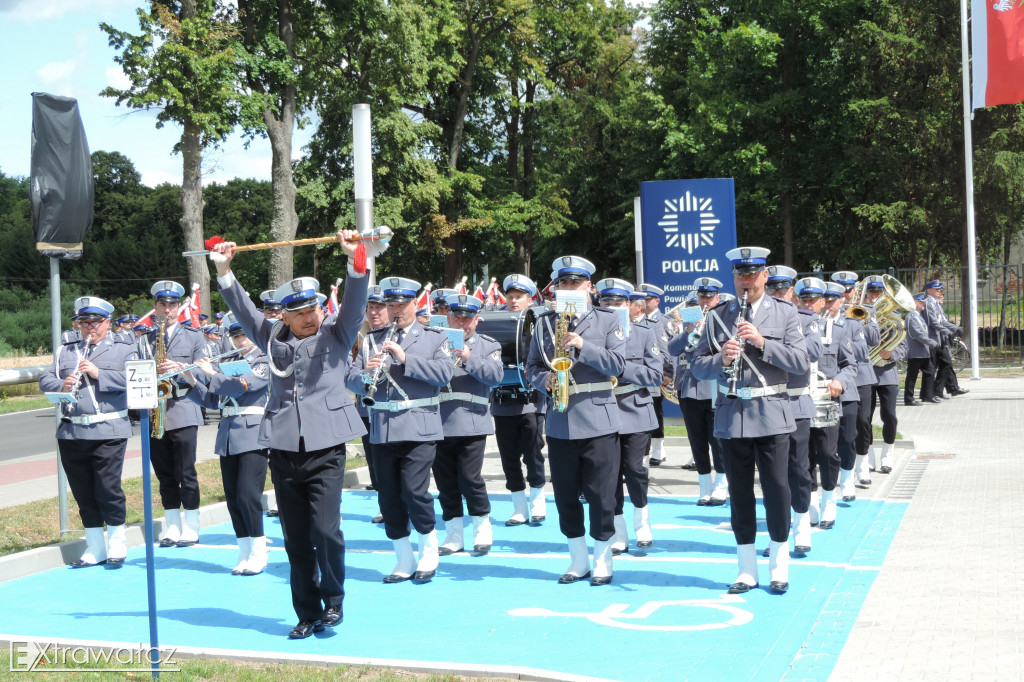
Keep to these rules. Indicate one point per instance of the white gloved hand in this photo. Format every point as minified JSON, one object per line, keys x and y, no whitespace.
{"x":218,"y":257}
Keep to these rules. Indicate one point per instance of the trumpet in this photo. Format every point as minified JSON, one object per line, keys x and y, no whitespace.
{"x":373,"y":380}
{"x":81,"y":353}
{"x":241,"y":351}
{"x":698,"y":328}
{"x":858,"y":310}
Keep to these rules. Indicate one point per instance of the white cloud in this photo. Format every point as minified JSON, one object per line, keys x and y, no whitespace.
{"x":56,"y":71}
{"x":116,"y":78}
{"x":32,"y":11}
{"x":152,"y":178}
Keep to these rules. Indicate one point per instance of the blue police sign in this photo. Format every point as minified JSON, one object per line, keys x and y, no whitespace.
{"x":688,"y":226}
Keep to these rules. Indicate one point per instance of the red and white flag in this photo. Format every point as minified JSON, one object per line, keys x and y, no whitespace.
{"x":423,"y":300}
{"x":147,"y":319}
{"x":997,"y":52}
{"x":332,"y":302}
{"x":190,"y":310}
{"x":495,"y":299}
{"x":460,"y":288}
{"x":479,"y":293}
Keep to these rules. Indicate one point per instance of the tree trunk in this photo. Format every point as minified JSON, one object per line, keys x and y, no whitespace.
{"x":192,"y":212}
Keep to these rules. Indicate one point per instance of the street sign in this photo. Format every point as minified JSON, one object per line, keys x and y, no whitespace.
{"x":141,"y":379}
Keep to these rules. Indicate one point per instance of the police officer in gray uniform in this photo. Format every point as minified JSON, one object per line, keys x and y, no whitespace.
{"x":93,"y":432}
{"x":519,"y":426}
{"x":459,"y":460}
{"x":696,"y":400}
{"x":838,"y":364}
{"x":750,"y":347}
{"x":583,"y":440}
{"x":864,"y":334}
{"x":438,"y":300}
{"x":242,"y":400}
{"x":403,"y":382}
{"x":920,"y":348}
{"x":659,"y":323}
{"x":641,"y":376}
{"x":309,"y":418}
{"x":174,"y":455}
{"x":941,"y":330}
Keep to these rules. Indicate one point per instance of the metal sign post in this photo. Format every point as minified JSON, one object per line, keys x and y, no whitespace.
{"x":141,"y":380}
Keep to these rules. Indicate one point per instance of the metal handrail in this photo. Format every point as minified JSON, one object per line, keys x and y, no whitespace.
{"x":22,"y":375}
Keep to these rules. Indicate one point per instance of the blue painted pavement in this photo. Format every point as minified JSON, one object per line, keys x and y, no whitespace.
{"x":666,"y":616}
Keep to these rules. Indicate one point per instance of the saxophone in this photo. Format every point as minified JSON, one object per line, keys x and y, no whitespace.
{"x":562,"y":362}
{"x":163,"y":387}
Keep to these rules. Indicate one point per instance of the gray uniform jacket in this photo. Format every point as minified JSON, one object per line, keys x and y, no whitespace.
{"x":887,"y":373}
{"x":311,"y":403}
{"x":640,"y":380}
{"x":686,"y":384}
{"x":104,"y":395}
{"x":939,"y":326}
{"x":864,"y":336}
{"x":659,"y":324}
{"x":919,"y":341}
{"x":187,"y":345}
{"x":784,"y":352}
{"x":427,"y":368}
{"x":590,"y":413}
{"x":839,"y":358}
{"x":461,"y":417}
{"x":803,"y":405}
{"x":237,"y":433}
{"x":70,"y":336}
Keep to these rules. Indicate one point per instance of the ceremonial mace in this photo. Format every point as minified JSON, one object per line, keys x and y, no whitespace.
{"x":380,"y":234}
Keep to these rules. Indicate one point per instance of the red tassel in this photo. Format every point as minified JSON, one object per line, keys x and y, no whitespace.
{"x":359,"y":260}
{"x":213,"y":241}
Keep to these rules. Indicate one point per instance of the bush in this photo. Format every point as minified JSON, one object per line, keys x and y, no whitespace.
{"x":25,"y":322}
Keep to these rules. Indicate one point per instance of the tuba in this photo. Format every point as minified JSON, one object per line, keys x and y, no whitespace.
{"x":890,"y":325}
{"x":562,"y":362}
{"x":163,"y":387}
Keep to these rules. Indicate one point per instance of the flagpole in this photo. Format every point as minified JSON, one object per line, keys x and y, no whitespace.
{"x":972,"y":244}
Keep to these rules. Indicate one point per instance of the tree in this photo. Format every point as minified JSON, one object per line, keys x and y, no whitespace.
{"x":183,"y":65}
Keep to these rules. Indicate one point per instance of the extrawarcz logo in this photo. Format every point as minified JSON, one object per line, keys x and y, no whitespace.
{"x":52,"y":657}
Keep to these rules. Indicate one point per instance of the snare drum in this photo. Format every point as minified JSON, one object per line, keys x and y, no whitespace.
{"x":827,"y":412}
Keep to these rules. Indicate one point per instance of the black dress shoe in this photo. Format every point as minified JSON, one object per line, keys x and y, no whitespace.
{"x":886,"y":469}
{"x":167,"y":543}
{"x":942,"y":397}
{"x":690,"y":467}
{"x":960,"y":391}
{"x":715,"y":503}
{"x":481,"y":549}
{"x":272,"y":513}
{"x":537,"y":519}
{"x":826,"y":525}
{"x":448,"y":551}
{"x":616,"y":551}
{"x":913,"y":402}
{"x":78,"y":563}
{"x":778,"y":587}
{"x":423,"y":577}
{"x":332,"y":615}
{"x":115,"y":563}
{"x":767,"y":552}
{"x":396,"y":578}
{"x":933,"y":399}
{"x":742,"y":588}
{"x":370,"y":487}
{"x":514,"y":522}
{"x":849,"y":498}
{"x":305,"y":628}
{"x":603,"y":580}
{"x":802,"y":549}
{"x":644,"y":544}
{"x":701,"y":502}
{"x":569,"y":578}
{"x":379,"y":518}
{"x":655,"y":462}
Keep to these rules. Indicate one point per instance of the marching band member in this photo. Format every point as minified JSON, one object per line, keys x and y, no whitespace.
{"x":519,"y":426}
{"x":94,"y":431}
{"x":376,"y":319}
{"x":696,"y":400}
{"x":309,"y":419}
{"x":883,"y":394}
{"x":750,"y":346}
{"x":583,"y":439}
{"x":272,"y":310}
{"x":640,"y":378}
{"x":941,"y":330}
{"x":410,"y":367}
{"x":459,"y":460}
{"x":799,"y":387}
{"x":174,"y":454}
{"x":857,"y":431}
{"x":71,"y":335}
{"x":652,"y":300}
{"x":920,"y":348}
{"x":838,"y":364}
{"x":243,"y":461}
{"x":438,"y":300}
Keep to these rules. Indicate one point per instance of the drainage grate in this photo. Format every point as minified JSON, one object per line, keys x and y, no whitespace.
{"x":909,"y":479}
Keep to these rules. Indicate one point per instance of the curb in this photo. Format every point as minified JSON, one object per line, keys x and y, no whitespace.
{"x":31,"y":561}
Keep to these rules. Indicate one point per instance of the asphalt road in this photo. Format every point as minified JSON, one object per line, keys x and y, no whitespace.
{"x":23,"y":434}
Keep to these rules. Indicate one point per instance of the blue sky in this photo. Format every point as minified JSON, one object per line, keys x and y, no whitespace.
{"x":56,"y":46}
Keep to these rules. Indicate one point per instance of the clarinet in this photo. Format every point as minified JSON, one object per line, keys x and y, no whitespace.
{"x":373,"y":380}
{"x":734,"y":375}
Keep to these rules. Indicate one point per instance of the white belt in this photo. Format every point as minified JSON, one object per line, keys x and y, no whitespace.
{"x":626,"y":388}
{"x":88,"y":419}
{"x":229,"y":411}
{"x":465,"y":397}
{"x":590,"y":388}
{"x":748,"y":392}
{"x":399,"y":405}
{"x":803,"y":390}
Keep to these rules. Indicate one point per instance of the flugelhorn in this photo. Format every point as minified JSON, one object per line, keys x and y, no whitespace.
{"x":242,"y":351}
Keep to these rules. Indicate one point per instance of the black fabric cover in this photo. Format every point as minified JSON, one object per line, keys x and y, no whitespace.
{"x":62,"y":188}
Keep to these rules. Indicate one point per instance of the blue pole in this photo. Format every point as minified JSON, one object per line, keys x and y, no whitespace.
{"x":147,"y":494}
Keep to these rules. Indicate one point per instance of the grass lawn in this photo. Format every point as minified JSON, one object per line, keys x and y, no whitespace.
{"x":37,"y":524}
{"x":21,"y":403}
{"x":227,"y":671}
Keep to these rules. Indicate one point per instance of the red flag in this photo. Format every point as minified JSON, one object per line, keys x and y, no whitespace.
{"x":547,"y":292}
{"x":460,"y":288}
{"x":997,"y":51}
{"x":423,"y":300}
{"x":479,"y":293}
{"x":146,"y":319}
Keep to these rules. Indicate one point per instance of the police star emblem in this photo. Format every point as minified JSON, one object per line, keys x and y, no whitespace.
{"x":619,"y":333}
{"x":654,"y":350}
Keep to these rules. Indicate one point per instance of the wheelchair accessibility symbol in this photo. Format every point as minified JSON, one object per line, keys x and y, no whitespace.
{"x":616,"y":616}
